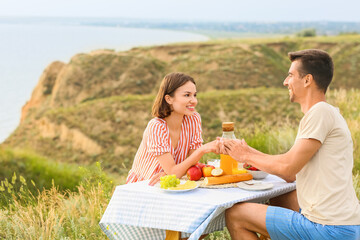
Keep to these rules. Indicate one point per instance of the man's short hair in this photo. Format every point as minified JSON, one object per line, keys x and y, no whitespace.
{"x":316,"y":62}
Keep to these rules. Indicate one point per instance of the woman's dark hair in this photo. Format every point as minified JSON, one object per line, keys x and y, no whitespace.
{"x":316,"y":62}
{"x":168,"y":86}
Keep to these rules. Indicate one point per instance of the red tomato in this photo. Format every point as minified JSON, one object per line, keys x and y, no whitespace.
{"x":249,"y":167}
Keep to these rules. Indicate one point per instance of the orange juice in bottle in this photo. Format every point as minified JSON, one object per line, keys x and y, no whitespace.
{"x":227,"y":163}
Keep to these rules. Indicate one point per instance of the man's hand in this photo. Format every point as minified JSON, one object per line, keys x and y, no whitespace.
{"x":236,"y":148}
{"x":156,"y":178}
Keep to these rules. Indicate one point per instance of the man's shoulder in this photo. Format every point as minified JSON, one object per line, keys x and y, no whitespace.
{"x":319,"y":114}
{"x":323,"y":108}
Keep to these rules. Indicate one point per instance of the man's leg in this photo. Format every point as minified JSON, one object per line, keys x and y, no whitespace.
{"x":244,"y":220}
{"x":288,"y":200}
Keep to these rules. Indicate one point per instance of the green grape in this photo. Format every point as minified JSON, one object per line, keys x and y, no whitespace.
{"x":169,"y":181}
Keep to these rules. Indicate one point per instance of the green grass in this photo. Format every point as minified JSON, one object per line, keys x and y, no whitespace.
{"x":26,"y":171}
{"x":39,"y":169}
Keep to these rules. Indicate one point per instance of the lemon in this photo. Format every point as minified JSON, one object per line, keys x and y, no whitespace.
{"x":217,"y":172}
{"x":239,"y":170}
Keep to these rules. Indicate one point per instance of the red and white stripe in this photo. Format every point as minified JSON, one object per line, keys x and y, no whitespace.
{"x":156,"y":141}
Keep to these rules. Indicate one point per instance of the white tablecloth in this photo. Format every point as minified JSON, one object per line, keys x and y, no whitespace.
{"x":140,"y":211}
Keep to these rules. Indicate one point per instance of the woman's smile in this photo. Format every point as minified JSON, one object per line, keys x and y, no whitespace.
{"x":191,"y":107}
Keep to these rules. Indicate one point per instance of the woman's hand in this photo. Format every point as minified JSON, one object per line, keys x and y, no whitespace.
{"x":156,"y":178}
{"x":213,"y":146}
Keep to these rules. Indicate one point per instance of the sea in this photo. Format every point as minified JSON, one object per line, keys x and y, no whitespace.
{"x":28,"y":47}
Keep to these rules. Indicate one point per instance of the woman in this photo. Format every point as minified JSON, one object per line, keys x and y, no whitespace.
{"x":172,"y":140}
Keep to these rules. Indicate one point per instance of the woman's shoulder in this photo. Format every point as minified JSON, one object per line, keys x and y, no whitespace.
{"x":194,"y":118}
{"x":157,"y":123}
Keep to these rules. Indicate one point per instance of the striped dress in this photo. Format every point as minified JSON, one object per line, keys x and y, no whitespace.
{"x":156,"y":141}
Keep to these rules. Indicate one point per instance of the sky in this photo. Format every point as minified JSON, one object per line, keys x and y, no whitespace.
{"x":189,"y":10}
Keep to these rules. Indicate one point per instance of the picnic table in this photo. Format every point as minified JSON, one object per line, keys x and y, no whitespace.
{"x":140,"y":211}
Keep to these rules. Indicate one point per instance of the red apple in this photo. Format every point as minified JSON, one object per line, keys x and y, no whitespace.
{"x":200,"y":165}
{"x":194,"y":173}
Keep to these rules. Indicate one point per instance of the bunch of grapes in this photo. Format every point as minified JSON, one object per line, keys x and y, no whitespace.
{"x":169,"y":181}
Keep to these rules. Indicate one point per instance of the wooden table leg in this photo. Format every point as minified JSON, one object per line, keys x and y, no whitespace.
{"x":172,"y":235}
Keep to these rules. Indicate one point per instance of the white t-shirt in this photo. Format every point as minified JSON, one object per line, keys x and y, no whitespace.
{"x":324,"y":185}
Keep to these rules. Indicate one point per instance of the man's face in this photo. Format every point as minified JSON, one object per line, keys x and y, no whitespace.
{"x":294,"y":82}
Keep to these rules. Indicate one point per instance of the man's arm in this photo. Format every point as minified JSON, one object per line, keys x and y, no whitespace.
{"x":285,"y":165}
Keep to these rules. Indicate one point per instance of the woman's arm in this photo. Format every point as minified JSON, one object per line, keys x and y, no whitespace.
{"x":167,"y":162}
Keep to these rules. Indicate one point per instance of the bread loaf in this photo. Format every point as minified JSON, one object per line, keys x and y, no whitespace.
{"x":227,"y":179}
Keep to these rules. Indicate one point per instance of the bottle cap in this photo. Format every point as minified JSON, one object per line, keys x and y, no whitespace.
{"x":228,"y":126}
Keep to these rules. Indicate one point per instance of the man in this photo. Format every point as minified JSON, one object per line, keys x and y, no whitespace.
{"x":320,"y":161}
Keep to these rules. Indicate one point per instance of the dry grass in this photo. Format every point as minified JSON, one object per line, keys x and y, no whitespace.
{"x":56,"y":215}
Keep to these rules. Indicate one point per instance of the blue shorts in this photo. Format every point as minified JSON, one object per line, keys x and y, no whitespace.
{"x":282,"y":223}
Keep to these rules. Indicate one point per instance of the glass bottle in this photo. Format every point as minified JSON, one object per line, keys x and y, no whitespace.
{"x":227,"y":163}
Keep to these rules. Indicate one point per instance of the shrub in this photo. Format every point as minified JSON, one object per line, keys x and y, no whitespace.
{"x":311,"y":32}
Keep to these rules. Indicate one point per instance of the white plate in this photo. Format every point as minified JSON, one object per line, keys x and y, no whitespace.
{"x":176,"y":191}
{"x":258,"y":186}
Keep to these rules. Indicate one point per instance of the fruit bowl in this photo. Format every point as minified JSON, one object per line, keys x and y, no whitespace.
{"x":258,"y":174}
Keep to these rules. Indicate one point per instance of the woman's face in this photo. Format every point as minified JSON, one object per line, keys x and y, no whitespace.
{"x":184,"y":100}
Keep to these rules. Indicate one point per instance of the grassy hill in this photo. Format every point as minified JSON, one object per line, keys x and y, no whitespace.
{"x":96,"y":107}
